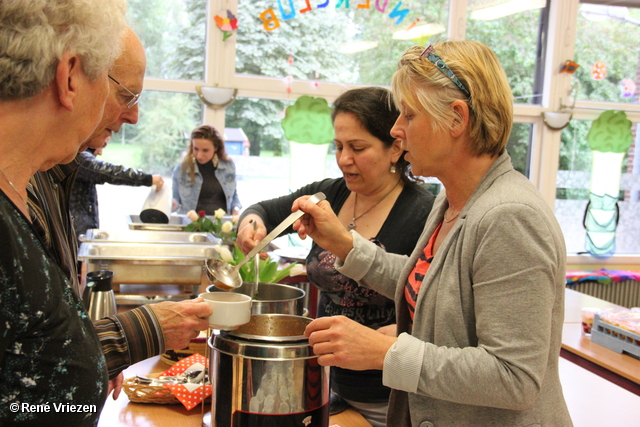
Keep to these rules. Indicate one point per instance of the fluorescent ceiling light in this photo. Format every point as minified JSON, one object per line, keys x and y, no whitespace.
{"x":419,"y":31}
{"x":601,"y":13}
{"x":354,"y":47}
{"x":499,"y":9}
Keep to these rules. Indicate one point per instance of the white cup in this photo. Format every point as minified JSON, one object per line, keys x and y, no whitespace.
{"x":230,"y":310}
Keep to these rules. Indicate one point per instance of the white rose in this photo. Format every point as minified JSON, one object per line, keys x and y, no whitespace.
{"x":192,"y":215}
{"x":235,"y":218}
{"x":219,"y":213}
{"x":224,"y":252}
{"x":226,"y":227}
{"x":296,"y":270}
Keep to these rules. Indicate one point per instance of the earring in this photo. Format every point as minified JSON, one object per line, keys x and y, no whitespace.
{"x":393,"y":168}
{"x":215,"y":160}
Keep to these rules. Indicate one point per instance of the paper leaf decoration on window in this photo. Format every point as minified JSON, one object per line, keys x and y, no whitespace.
{"x":609,"y":139}
{"x":308,"y":121}
{"x":228,"y":25}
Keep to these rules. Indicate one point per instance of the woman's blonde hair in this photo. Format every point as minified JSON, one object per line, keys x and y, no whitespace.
{"x":421,"y":86}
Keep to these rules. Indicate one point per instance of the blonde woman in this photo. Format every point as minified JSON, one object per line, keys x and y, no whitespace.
{"x":480,"y":300}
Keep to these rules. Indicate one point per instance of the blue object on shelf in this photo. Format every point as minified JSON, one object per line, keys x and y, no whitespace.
{"x":235,"y":140}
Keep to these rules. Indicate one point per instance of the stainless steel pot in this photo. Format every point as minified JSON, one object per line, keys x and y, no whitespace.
{"x":272,"y":298}
{"x":265,"y":374}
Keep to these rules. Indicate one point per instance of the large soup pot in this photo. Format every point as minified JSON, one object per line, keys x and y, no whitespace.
{"x":265,"y":374}
{"x":271,"y":298}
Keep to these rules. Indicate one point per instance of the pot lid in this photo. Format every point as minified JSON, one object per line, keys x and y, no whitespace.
{"x":272,"y":328}
{"x":275,"y":351}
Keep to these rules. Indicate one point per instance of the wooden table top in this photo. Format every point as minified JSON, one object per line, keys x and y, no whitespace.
{"x":574,"y":301}
{"x":583,"y":390}
{"x":592,"y":402}
{"x":574,"y":342}
{"x":622,"y":364}
{"x":122,"y":412}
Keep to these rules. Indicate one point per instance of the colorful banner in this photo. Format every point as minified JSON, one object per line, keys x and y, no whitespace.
{"x":271,"y":20}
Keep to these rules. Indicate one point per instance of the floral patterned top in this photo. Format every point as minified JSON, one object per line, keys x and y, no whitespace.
{"x":51,"y":362}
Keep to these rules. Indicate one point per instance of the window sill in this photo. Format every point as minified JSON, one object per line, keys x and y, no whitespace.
{"x":616,"y":262}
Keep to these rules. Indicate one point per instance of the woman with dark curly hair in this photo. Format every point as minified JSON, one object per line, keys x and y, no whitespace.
{"x":378,"y":196}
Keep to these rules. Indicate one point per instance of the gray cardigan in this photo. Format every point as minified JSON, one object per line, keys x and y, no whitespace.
{"x":488,"y":324}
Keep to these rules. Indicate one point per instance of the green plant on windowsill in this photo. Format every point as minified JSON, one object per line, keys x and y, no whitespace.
{"x":268,"y":271}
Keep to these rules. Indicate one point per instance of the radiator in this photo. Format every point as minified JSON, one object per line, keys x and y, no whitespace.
{"x":625,"y":293}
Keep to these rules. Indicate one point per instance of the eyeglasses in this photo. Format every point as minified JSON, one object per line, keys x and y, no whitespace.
{"x":135,"y":96}
{"x":443,"y":67}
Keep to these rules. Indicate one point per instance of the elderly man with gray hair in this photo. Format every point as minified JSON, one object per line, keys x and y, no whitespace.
{"x":54,"y":58}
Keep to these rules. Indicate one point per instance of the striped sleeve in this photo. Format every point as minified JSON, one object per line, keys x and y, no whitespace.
{"x":129,"y":337}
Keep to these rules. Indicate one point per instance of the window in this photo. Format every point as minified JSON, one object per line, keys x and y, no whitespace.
{"x":580,"y":173}
{"x":260,"y":121}
{"x":156,"y":143}
{"x":308,"y":54}
{"x":517,"y":39}
{"x":173,"y":34}
{"x":269,"y":175}
{"x":607,"y":51}
{"x":341,"y":42}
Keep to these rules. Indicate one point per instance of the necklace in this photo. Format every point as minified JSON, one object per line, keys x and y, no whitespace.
{"x":352,"y":224}
{"x":14,"y":187}
{"x":450,"y":219}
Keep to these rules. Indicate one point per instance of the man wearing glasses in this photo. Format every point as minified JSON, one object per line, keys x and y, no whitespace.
{"x":145,"y":331}
{"x":126,"y":80}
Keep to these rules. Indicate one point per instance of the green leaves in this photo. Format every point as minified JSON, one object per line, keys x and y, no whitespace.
{"x":267,"y":269}
{"x":206,"y":225}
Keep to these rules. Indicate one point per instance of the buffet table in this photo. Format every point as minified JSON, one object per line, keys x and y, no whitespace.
{"x":122,"y":412}
{"x":601,"y":387}
{"x":620,"y":369}
{"x":592,"y":401}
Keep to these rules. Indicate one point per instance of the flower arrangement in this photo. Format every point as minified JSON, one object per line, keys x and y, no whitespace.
{"x":222,"y":230}
{"x":267,"y":270}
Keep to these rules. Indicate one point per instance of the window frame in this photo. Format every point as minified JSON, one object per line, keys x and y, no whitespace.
{"x":545,"y":145}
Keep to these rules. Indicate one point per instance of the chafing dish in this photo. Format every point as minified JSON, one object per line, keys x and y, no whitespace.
{"x":176,"y":223}
{"x":149,"y":263}
{"x":148,"y":236}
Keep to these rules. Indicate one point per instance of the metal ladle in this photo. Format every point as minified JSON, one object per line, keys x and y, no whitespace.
{"x":226,"y":277}
{"x":256,"y":268}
